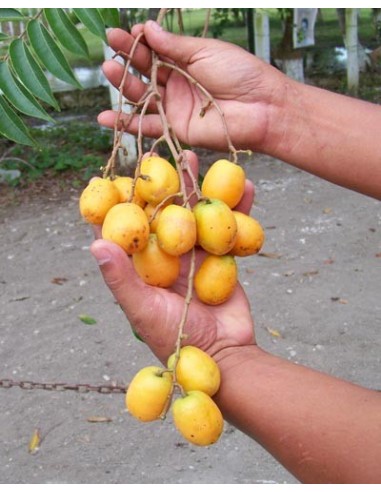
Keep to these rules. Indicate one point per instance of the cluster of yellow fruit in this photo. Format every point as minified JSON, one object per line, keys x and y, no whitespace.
{"x":141,"y":216}
{"x":195,"y":414}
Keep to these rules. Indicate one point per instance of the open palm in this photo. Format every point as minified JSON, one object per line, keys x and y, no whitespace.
{"x":155,"y":313}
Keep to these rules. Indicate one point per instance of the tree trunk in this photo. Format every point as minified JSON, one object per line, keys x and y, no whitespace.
{"x":287,"y":59}
{"x":351,"y":43}
{"x":262,"y":35}
{"x":250,"y":30}
{"x":377,"y":22}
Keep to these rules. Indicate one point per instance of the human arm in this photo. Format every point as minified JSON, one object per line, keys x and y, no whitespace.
{"x":329,"y":135}
{"x":321,"y":428}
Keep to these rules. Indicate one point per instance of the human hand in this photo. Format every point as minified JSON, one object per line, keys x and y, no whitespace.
{"x":245,"y":88}
{"x":154,"y":313}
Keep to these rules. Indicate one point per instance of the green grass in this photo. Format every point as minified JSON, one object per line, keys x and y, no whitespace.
{"x":74,"y":146}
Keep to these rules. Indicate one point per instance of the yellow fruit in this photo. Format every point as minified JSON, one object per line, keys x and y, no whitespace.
{"x":198,"y":418}
{"x":250,"y":235}
{"x":97,"y":199}
{"x":149,"y":210}
{"x":155,"y":266}
{"x":126,"y":224}
{"x":216,"y":226}
{"x":196,"y":370}
{"x":147,"y":394}
{"x":224,"y":180}
{"x":176,"y":230}
{"x":124,"y":186}
{"x":216,"y":279}
{"x":158,"y":180}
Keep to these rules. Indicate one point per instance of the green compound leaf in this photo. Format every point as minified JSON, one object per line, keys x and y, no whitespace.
{"x":66,"y":32}
{"x":49,"y":54}
{"x":12,"y":126}
{"x":30,"y":72}
{"x":92,"y":19}
{"x":18,"y":96}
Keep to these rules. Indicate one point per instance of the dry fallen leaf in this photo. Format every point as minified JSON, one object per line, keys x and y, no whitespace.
{"x":274,"y":333}
{"x":312,"y":272}
{"x":58,"y":280}
{"x":340,"y":300}
{"x":274,"y":256}
{"x":34,"y":443}
{"x":96,"y":419}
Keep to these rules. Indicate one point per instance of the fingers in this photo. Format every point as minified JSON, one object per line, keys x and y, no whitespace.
{"x":178,"y":48}
{"x":134,"y":88}
{"x":118,"y":273}
{"x":122,"y":42}
{"x":151,"y":124}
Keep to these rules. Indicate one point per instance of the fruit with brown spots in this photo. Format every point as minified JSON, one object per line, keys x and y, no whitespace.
{"x":198,"y":418}
{"x":126,"y":224}
{"x":97,"y":199}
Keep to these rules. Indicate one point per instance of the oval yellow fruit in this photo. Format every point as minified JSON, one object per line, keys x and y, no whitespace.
{"x":176,"y":230}
{"x":126,"y":224}
{"x":198,"y":418}
{"x":216,"y":226}
{"x":155,"y":266}
{"x":196,"y":370}
{"x":97,"y":199}
{"x":224,"y":180}
{"x":124,"y":185}
{"x":250,"y":235}
{"x":216,"y":279}
{"x":147,"y":394}
{"x":159,"y":180}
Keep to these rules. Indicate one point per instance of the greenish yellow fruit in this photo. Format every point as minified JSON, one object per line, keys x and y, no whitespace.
{"x":196,"y":370}
{"x":147,"y":394}
{"x":216,"y":226}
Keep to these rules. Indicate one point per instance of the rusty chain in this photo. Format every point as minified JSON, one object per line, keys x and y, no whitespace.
{"x":79,"y":387}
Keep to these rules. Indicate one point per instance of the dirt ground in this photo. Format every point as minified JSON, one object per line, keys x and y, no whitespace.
{"x":315,"y":296}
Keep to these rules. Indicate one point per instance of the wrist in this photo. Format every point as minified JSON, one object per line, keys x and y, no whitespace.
{"x":285,"y":119}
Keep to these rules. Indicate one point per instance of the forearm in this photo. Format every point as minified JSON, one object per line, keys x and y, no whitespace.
{"x":330,"y":135}
{"x":322,"y":429}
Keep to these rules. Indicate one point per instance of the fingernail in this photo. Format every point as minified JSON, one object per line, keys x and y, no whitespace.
{"x":155,"y":26}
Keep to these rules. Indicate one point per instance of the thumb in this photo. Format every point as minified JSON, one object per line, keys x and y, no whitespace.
{"x":119,"y":275}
